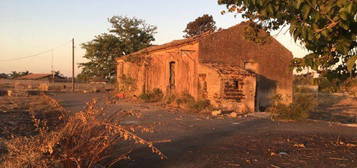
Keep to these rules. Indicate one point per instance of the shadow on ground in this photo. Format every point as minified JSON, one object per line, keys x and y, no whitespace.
{"x":336,"y":108}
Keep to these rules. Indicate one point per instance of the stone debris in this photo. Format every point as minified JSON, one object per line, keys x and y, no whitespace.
{"x":216,"y":113}
{"x":17,"y":93}
{"x":233,"y":115}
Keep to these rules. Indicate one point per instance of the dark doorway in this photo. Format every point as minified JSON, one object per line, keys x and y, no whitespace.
{"x":172,"y":75}
{"x":266,"y":90}
{"x":202,"y":86}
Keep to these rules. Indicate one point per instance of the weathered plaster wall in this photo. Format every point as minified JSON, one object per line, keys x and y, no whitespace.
{"x":133,"y":71}
{"x":185,"y":70}
{"x":156,"y":74}
{"x":213,"y":82}
{"x":230,"y":47}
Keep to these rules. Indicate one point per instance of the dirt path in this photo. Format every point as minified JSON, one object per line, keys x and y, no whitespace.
{"x":337,"y":107}
{"x":201,"y":141}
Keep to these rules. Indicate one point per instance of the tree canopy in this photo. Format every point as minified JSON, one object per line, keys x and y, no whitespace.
{"x":327,"y":28}
{"x":126,"y":36}
{"x":14,"y":74}
{"x":200,"y":25}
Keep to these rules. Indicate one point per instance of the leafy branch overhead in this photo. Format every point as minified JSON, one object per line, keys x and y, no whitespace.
{"x":327,"y":28}
{"x":126,"y":36}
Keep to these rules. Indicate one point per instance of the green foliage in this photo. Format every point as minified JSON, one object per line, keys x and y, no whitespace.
{"x":14,"y":74}
{"x":328,"y":86}
{"x":189,"y":102}
{"x":3,"y":76}
{"x":126,"y":36}
{"x":185,"y":98}
{"x":170,"y":99}
{"x":101,"y":53}
{"x":200,"y":25}
{"x":134,"y":33}
{"x":306,"y":79}
{"x":300,"y":109}
{"x":200,"y":105}
{"x":128,"y":84}
{"x":351,"y":63}
{"x":252,"y":33}
{"x":350,"y":86}
{"x":155,"y":95}
{"x":327,"y":28}
{"x":138,"y":59}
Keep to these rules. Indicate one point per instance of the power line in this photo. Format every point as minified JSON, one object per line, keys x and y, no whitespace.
{"x":35,"y":55}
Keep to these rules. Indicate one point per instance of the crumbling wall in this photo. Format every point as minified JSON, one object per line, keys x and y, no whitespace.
{"x":213,"y":82}
{"x":129,"y":78}
{"x":231,"y":48}
{"x":240,"y":99}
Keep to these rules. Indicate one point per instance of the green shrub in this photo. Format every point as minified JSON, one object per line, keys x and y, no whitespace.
{"x":329,"y":86}
{"x":350,"y":86}
{"x":155,"y":95}
{"x":186,"y":98}
{"x":128,"y":84}
{"x":189,"y":102}
{"x":300,"y":109}
{"x":201,"y":105}
{"x":170,"y":99}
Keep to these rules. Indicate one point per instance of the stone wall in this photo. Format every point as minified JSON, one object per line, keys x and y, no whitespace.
{"x":231,"y":48}
{"x":215,"y":90}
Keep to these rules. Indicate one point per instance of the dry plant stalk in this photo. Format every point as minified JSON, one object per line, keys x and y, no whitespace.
{"x":85,"y":139}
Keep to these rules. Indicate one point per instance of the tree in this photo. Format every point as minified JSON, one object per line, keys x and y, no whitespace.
{"x":327,"y":28}
{"x":101,"y":53}
{"x":126,"y":36}
{"x":59,"y":74}
{"x":3,"y":76}
{"x":14,"y":74}
{"x":200,"y":25}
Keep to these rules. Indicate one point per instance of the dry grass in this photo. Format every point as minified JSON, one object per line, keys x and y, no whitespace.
{"x":300,"y":109}
{"x":84,"y":139}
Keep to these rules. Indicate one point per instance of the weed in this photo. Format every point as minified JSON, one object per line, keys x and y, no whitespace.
{"x":201,"y":105}
{"x":137,"y":59}
{"x":128,"y":84}
{"x":170,"y":99}
{"x":155,"y":95}
{"x":189,"y":102}
{"x":185,"y":98}
{"x":90,"y":138}
{"x":298,"y":110}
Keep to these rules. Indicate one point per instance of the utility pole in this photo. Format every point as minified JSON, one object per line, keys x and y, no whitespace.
{"x":52,"y":70}
{"x":73,"y":65}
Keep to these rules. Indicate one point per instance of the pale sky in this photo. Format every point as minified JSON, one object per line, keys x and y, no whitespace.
{"x":29,"y":27}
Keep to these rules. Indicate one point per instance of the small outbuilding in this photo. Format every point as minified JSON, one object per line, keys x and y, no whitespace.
{"x":233,"y":69}
{"x":42,"y":77}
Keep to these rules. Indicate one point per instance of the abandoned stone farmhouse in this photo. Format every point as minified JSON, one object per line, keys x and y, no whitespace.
{"x":227,"y":67}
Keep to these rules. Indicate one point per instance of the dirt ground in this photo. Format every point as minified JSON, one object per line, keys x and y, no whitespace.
{"x":196,"y":140}
{"x":17,"y":113}
{"x":192,"y":140}
{"x":337,"y":108}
